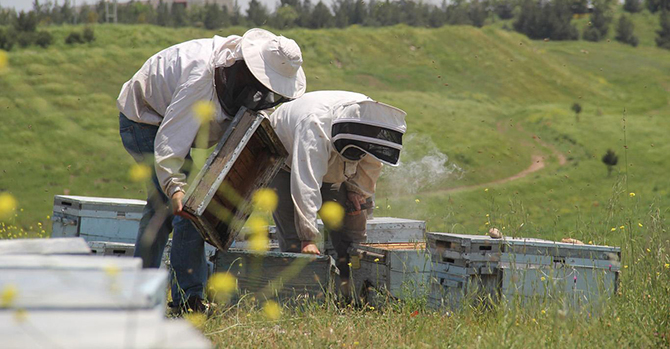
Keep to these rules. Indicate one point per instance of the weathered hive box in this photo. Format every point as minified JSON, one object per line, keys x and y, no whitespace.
{"x":388,"y":230}
{"x":111,"y":248}
{"x":518,"y":268}
{"x":246,"y":159}
{"x":279,"y":275}
{"x":66,"y":262}
{"x":97,"y":219}
{"x":140,"y":329}
{"x":74,"y":289}
{"x":44,"y":246}
{"x":383,"y":271}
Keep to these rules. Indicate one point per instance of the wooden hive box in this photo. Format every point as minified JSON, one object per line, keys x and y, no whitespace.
{"x":519,"y":268}
{"x":399,"y":270}
{"x":96,"y":219}
{"x":44,"y":246}
{"x":279,"y":275}
{"x":246,"y":159}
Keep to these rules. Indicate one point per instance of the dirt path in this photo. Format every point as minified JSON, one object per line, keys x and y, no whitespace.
{"x":537,"y":163}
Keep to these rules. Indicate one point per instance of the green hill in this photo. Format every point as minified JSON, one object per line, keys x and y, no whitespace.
{"x":490,"y":100}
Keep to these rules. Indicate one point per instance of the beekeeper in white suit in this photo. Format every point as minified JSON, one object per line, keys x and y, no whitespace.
{"x":157,"y":121}
{"x":337,"y":142}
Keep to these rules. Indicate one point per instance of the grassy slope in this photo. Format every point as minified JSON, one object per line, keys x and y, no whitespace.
{"x":59,"y":131}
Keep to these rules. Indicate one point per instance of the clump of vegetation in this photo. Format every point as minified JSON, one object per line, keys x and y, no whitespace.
{"x":75,"y":37}
{"x":610,"y":159}
{"x":6,"y":39}
{"x":546,"y":20}
{"x":600,"y":23}
{"x":663,"y":35}
{"x":632,"y":6}
{"x":624,"y":32}
{"x":577,"y":108}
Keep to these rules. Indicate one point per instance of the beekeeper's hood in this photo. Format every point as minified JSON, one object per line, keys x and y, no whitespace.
{"x":369,"y":127}
{"x":262,"y":71}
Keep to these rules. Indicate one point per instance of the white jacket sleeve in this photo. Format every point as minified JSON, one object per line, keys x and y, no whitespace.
{"x":176,"y":136}
{"x":365,"y":180}
{"x":309,"y":164}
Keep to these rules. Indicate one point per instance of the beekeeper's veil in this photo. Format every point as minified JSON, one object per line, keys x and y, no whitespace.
{"x":369,"y":127}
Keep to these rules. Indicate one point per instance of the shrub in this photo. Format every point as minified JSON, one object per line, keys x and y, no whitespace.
{"x":43,"y":39}
{"x":25,"y":39}
{"x":74,"y":38}
{"x":663,"y":35}
{"x":88,"y":35}
{"x":624,"y":31}
{"x":6,"y":39}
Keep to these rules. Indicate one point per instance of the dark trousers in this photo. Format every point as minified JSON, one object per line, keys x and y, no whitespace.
{"x":352,"y":230}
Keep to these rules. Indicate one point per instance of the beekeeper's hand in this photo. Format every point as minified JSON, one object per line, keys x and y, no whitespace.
{"x":178,"y":206}
{"x":309,"y":247}
{"x":356,"y":199}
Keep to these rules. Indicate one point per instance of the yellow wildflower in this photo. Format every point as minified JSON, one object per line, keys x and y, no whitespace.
{"x":272,"y":310}
{"x":140,"y":172}
{"x":265,"y":200}
{"x":417,"y":201}
{"x":640,"y":224}
{"x":632,"y":195}
{"x":204,"y":110}
{"x":332,"y":214}
{"x":8,"y":295}
{"x":7,"y":205}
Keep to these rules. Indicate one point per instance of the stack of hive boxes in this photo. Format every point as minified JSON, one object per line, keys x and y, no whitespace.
{"x":57,"y":295}
{"x":517,"y":269}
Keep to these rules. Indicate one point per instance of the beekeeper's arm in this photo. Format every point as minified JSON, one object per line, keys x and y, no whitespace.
{"x":309,"y":164}
{"x":174,"y":139}
{"x":362,"y":185}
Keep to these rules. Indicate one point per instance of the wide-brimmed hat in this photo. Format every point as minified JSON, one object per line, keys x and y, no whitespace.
{"x":275,"y":61}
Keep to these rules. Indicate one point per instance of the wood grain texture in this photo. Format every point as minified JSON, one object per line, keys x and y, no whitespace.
{"x":247,"y":158}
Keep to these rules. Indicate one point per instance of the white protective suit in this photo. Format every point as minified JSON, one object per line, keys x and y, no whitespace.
{"x":305,"y":128}
{"x":163,"y":93}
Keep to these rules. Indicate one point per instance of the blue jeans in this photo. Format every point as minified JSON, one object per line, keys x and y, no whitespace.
{"x":188,"y":248}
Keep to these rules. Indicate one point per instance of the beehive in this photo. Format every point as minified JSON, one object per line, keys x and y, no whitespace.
{"x":519,"y":269}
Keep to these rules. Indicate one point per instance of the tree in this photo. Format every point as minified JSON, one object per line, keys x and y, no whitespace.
{"x":624,"y":31}
{"x":600,"y":22}
{"x":657,"y":5}
{"x":610,"y":159}
{"x":579,"y":6}
{"x":542,"y":20}
{"x":285,"y":17}
{"x":215,"y":17}
{"x":477,"y":12}
{"x":257,"y":13}
{"x":321,"y":16}
{"x":43,"y":38}
{"x":632,"y":6}
{"x":663,"y":35}
{"x":504,"y":9}
{"x":577,"y":108}
{"x":163,"y":14}
{"x":26,"y":22}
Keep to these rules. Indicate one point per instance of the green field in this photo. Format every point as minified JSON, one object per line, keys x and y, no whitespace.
{"x":490,"y":101}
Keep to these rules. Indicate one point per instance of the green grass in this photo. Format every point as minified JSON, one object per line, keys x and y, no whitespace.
{"x":481,"y":97}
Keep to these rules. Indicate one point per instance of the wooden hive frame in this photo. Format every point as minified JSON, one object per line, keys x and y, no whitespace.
{"x":248,"y":156}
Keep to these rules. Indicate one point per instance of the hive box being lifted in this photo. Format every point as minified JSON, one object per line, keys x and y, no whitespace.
{"x":279,"y":275}
{"x":519,"y":269}
{"x":96,"y":219}
{"x":383,"y":271}
{"x":246,"y":159}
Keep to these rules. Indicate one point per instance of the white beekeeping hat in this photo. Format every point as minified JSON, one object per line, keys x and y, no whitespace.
{"x":275,"y":61}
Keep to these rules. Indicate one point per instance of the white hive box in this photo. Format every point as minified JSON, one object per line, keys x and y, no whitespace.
{"x":519,"y":269}
{"x":111,"y":248}
{"x":391,"y":270}
{"x":143,"y":329}
{"x":44,"y":246}
{"x":390,"y":229}
{"x":97,"y":219}
{"x":74,"y":289}
{"x":68,"y":262}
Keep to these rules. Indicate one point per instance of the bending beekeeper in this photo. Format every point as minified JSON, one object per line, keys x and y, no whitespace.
{"x":158,"y":125}
{"x":337,"y":142}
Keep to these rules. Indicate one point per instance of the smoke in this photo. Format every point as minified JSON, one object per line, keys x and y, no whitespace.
{"x":422,"y":165}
